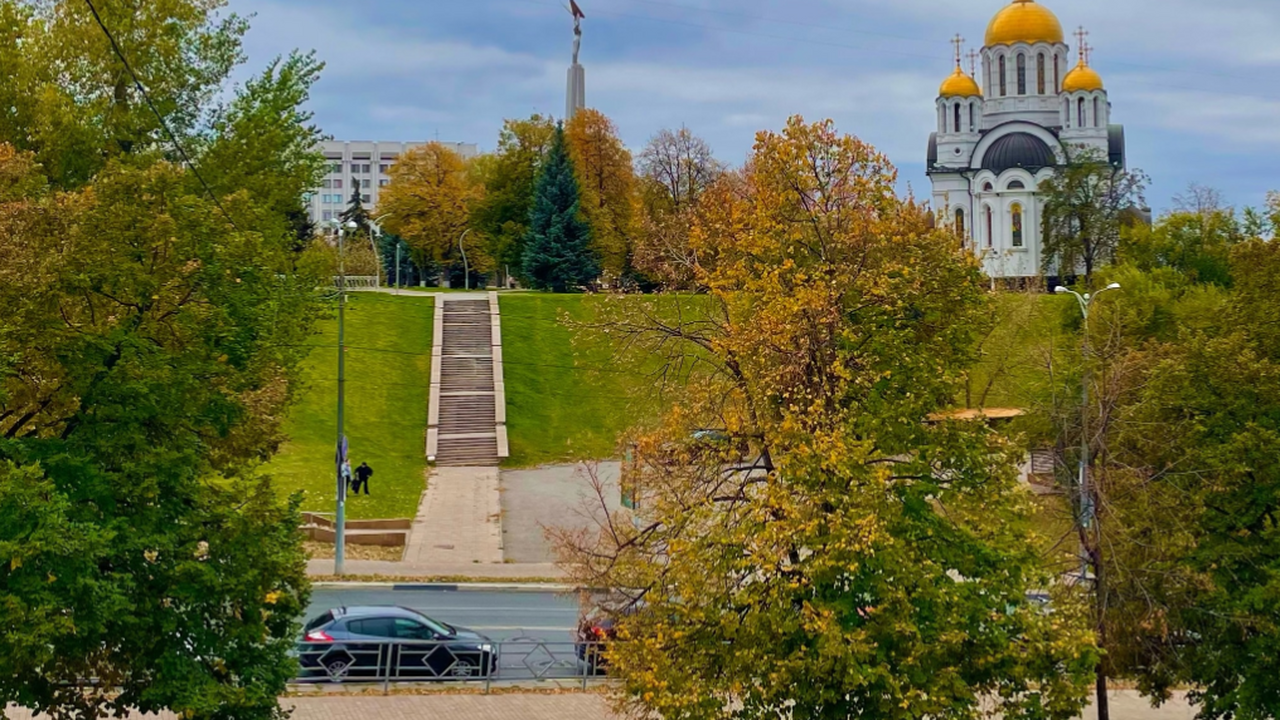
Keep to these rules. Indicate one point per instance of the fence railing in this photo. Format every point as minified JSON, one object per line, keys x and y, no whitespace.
{"x":358,"y":282}
{"x":478,"y":662}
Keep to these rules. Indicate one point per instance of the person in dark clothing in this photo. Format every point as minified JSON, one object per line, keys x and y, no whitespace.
{"x":363,"y":473}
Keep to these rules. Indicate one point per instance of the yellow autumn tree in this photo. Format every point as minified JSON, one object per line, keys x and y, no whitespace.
{"x":428,"y":203}
{"x":606,"y":183}
{"x":811,"y":538}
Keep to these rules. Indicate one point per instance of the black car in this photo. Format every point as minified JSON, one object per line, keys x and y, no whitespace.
{"x":373,"y":642}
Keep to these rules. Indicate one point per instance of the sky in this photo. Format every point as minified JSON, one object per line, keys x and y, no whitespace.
{"x":1195,"y":82}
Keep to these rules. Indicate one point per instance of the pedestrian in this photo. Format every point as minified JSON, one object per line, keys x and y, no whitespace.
{"x":363,"y":473}
{"x":346,"y":473}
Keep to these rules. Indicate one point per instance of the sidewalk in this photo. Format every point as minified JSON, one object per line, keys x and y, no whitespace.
{"x":1125,"y":705}
{"x":366,"y":569}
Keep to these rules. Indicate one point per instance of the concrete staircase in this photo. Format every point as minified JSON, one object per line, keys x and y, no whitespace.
{"x":467,"y":423}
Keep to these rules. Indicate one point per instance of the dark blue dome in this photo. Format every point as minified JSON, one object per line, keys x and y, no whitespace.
{"x":1018,"y":150}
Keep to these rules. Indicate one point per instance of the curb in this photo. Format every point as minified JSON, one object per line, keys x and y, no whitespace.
{"x":446,"y":587}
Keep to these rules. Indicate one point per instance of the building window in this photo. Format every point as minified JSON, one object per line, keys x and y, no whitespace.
{"x":364,"y":183}
{"x":1017,"y":225}
{"x":364,"y":198}
{"x":337,"y":184}
{"x":956,"y":116}
{"x":1002,"y":77}
{"x":987,"y":187}
{"x":973,"y":126}
{"x":383,"y":168}
{"x":365,"y":168}
{"x":327,"y":184}
{"x":960,"y":222}
{"x":327,"y":215}
{"x":1097,"y":113}
{"x":1016,"y":185}
{"x":1057,"y":84}
{"x":990,"y":227}
{"x":1066,"y":112}
{"x":1022,"y":74}
{"x":383,"y":183}
{"x":1080,"y":113}
{"x":1040,"y":73}
{"x":335,"y":167}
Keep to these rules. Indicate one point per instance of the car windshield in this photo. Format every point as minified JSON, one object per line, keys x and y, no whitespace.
{"x":436,"y":626}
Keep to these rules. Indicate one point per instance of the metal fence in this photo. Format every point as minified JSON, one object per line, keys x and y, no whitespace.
{"x":358,"y":282}
{"x":398,"y":661}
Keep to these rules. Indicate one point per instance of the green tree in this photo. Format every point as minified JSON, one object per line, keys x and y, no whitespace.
{"x":503,"y":214}
{"x":1086,"y":203}
{"x":812,"y":541}
{"x":1196,"y":245}
{"x":70,"y":99}
{"x":558,"y":253}
{"x":355,"y":212}
{"x":146,"y":356}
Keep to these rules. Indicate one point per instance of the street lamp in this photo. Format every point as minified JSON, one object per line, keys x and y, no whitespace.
{"x":376,"y":228}
{"x":1086,"y":497}
{"x":466,"y":269}
{"x":339,"y":534}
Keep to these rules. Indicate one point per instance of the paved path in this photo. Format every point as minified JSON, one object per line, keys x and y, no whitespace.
{"x":550,"y":496}
{"x":459,"y":519}
{"x":1125,"y":705}
{"x":423,"y":571}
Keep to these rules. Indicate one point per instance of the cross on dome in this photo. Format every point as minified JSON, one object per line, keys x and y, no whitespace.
{"x":973,"y":62}
{"x":1082,"y":38}
{"x":959,"y":43}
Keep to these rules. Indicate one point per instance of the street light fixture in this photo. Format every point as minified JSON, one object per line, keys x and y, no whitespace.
{"x":1086,"y":497}
{"x":466,"y":269}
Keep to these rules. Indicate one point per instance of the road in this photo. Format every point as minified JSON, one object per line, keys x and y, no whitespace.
{"x":500,"y":615}
{"x":534,"y":630}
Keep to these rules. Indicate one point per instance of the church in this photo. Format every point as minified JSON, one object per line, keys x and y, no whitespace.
{"x":998,"y":140}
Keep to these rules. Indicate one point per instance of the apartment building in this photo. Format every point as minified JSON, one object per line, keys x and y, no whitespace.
{"x":363,"y":164}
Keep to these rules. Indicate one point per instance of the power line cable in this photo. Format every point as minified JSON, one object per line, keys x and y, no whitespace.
{"x":147,"y":97}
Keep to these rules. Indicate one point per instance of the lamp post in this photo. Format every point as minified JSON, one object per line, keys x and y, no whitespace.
{"x":376,"y":231}
{"x":1086,"y":496}
{"x":466,"y":269}
{"x":340,"y":522}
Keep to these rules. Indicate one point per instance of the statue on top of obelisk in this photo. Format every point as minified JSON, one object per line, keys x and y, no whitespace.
{"x":576,"y":95}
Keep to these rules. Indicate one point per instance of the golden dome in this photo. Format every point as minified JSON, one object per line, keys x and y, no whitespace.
{"x":1082,"y":77}
{"x":959,"y":85}
{"x":1024,"y":21}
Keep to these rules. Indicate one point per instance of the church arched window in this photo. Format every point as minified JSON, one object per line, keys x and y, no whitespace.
{"x":1015,"y":185}
{"x":1097,"y":112}
{"x":955,"y":111}
{"x":973,"y":124}
{"x":1003,"y":83}
{"x":1022,"y":74}
{"x":1040,"y":73}
{"x":1066,"y":112}
{"x":1016,"y":224}
{"x":960,"y":222}
{"x":990,"y":226}
{"x":987,"y":187}
{"x":1080,"y":113}
{"x":1057,"y":82}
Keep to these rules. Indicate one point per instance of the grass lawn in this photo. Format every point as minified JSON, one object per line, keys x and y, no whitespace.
{"x":388,"y":370}
{"x":1014,"y":358}
{"x":567,"y":398}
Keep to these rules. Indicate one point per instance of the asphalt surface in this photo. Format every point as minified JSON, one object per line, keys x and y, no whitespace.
{"x":533,"y":631}
{"x":502,"y":616}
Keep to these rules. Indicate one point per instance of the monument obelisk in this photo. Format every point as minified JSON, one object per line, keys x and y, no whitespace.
{"x":576,"y":92}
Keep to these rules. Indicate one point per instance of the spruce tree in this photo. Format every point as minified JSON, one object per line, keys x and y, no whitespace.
{"x":558,"y":254}
{"x":355,"y":211}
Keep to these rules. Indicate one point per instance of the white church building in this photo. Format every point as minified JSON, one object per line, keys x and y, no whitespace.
{"x":996,"y":142}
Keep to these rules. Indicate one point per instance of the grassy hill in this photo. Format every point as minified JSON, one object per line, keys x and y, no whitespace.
{"x":388,"y":370}
{"x":568,"y":395}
